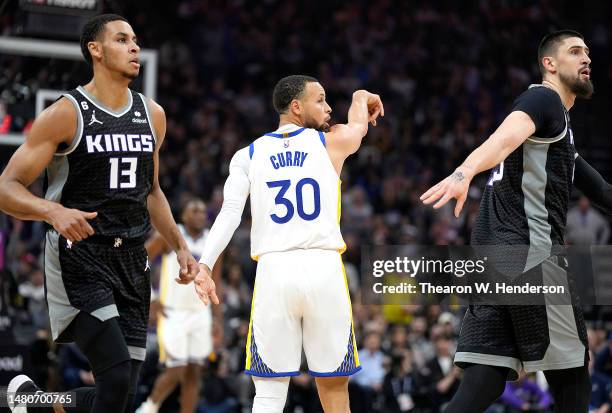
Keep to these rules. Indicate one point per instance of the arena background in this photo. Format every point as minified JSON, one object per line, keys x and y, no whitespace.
{"x":447,"y":72}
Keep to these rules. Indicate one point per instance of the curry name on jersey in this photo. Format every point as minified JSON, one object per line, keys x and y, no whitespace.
{"x":295,"y":192}
{"x":108,"y":167}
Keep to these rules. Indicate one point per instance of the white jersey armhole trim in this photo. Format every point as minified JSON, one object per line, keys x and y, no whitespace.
{"x":79,"y":132}
{"x":535,"y":139}
{"x":151,"y":125}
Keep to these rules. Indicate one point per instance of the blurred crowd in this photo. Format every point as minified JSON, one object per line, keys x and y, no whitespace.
{"x":447,"y":74}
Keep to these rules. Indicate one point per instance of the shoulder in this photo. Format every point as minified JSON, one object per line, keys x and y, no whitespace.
{"x":158,"y":117}
{"x":242,"y":158}
{"x":58,"y":122}
{"x":155,"y":109}
{"x":540,"y":95}
{"x":62,"y":109}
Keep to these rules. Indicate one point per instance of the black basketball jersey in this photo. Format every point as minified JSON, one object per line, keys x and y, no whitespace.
{"x":526,"y":197}
{"x":108,"y":168}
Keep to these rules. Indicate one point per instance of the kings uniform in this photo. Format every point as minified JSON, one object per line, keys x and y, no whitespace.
{"x":524,"y":208}
{"x":108,"y":168}
{"x":301,"y":298}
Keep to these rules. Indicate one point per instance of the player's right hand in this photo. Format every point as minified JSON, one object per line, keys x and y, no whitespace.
{"x":205,"y":285}
{"x":71,"y":223}
{"x":375,"y":106}
{"x":455,"y":186}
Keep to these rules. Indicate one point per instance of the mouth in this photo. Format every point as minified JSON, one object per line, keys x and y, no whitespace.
{"x":135,"y":62}
{"x":586,"y":72}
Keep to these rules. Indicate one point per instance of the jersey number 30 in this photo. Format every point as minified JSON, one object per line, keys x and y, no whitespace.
{"x":280,"y":199}
{"x":130,"y":172}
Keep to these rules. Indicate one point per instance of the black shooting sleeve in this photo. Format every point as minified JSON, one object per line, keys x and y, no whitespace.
{"x":592,"y":185}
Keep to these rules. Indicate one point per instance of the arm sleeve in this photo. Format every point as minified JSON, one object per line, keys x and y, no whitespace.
{"x":591,"y":183}
{"x":235,"y":194}
{"x":545,"y":109}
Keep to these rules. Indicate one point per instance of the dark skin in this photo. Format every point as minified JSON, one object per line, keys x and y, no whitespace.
{"x":115,"y":56}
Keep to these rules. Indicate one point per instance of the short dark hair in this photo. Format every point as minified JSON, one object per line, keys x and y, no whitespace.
{"x":92,"y":30}
{"x":289,"y":88}
{"x":550,"y":43}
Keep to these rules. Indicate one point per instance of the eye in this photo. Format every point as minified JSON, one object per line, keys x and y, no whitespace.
{"x":121,"y":40}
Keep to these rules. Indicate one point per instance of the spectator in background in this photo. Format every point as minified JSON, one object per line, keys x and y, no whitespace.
{"x":218,"y":396}
{"x":440,"y":375}
{"x":372,"y":374}
{"x":75,"y":370}
{"x":600,"y":389}
{"x":524,"y":395}
{"x":422,"y":348}
{"x":33,"y":292}
{"x":402,"y":390}
{"x":603,"y":359}
{"x":585,"y":225}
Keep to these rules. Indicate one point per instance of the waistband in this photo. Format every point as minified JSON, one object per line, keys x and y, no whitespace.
{"x":113,"y":241}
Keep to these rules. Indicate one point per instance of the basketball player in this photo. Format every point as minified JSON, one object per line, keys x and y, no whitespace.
{"x":184,"y":328}
{"x":525,"y":203}
{"x":99,"y":144}
{"x":300,"y":297}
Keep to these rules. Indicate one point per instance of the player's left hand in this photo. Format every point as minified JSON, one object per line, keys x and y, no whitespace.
{"x":188,"y":267}
{"x":454,"y":186}
{"x":205,"y":285}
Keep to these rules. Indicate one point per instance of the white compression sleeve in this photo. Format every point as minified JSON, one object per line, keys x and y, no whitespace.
{"x":235,"y":194}
{"x":270,"y":394}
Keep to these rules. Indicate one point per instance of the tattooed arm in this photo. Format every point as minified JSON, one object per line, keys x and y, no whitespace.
{"x":513,"y":131}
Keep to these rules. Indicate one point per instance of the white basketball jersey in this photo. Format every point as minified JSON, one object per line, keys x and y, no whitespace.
{"x":173,"y":294}
{"x":295,"y":193}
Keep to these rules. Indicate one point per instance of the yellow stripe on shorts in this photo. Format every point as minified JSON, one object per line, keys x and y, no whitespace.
{"x":248,"y":343}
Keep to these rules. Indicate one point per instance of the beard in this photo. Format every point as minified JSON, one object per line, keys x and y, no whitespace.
{"x":312,"y":124}
{"x":580,"y":88}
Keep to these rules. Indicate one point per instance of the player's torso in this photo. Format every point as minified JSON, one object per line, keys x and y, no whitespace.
{"x":295,"y":193}
{"x":526,"y":198}
{"x":109,"y":166}
{"x":173,"y":294}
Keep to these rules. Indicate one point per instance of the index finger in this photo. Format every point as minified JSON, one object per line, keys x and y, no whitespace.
{"x":430,"y":191}
{"x":442,"y":201}
{"x":214,"y":298}
{"x":181,"y":281}
{"x":88,"y":230}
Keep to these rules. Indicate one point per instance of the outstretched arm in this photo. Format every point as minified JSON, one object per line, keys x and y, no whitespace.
{"x":513,"y":131}
{"x":159,"y":209}
{"x":593,"y":185}
{"x":344,"y":140}
{"x":235,"y":194}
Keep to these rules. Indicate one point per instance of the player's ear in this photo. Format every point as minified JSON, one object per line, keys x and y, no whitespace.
{"x":296,"y":107}
{"x":549,"y":64}
{"x":95,"y":49}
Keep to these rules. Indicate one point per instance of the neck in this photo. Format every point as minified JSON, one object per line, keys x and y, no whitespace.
{"x":289,"y":118}
{"x":109,"y":89}
{"x":193,"y":233}
{"x":567,"y":97}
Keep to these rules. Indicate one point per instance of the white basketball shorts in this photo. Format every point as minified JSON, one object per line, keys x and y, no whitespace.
{"x":184,"y":336}
{"x":301,"y":300}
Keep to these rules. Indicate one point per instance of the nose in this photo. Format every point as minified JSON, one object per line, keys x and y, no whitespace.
{"x":135,"y":48}
{"x":328,"y":108}
{"x":585,"y":58}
